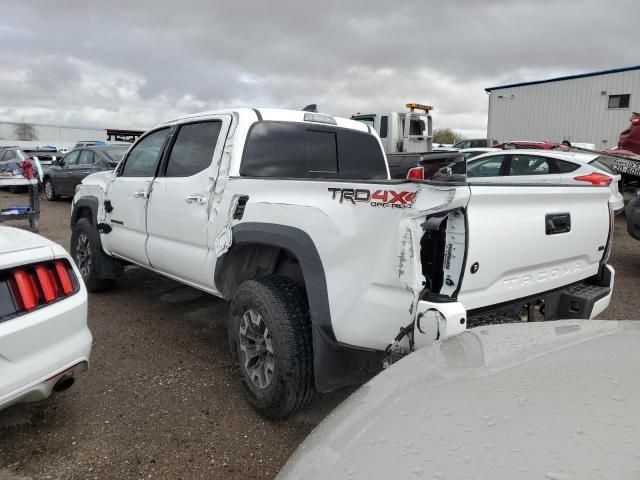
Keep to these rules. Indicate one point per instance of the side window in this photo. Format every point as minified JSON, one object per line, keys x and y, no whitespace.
{"x":193,"y":149}
{"x":566,"y":167}
{"x":485,"y":167}
{"x":2,"y":152}
{"x":86,"y":157}
{"x":368,"y":121}
{"x":384,"y":126}
{"x":143,"y":158}
{"x":322,"y":148}
{"x":70,"y":158}
{"x":10,"y":155}
{"x":531,"y":165}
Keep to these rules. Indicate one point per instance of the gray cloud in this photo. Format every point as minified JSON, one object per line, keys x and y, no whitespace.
{"x":139,"y":63}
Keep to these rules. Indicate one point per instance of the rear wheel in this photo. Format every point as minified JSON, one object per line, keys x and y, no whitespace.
{"x":49,"y":192}
{"x":85,"y":251}
{"x":270,"y":337}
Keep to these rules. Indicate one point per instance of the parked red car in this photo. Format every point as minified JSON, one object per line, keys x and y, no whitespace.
{"x":630,"y":138}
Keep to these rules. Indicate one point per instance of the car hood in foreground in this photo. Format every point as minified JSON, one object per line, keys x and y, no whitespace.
{"x":549,"y":400}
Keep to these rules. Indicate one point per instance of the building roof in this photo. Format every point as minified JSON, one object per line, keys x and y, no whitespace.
{"x":568,"y":77}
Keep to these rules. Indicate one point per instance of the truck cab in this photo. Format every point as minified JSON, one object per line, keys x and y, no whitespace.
{"x":402,"y":132}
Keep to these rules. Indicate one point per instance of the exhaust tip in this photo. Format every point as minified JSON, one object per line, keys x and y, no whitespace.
{"x":64,"y":384}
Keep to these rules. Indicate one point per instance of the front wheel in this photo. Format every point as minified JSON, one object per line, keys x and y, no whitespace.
{"x":270,"y":338}
{"x":85,"y":249}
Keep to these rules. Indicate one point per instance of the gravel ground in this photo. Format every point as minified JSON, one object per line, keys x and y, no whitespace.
{"x":161,"y":399}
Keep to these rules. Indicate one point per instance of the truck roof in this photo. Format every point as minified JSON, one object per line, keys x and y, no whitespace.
{"x":275,"y":114}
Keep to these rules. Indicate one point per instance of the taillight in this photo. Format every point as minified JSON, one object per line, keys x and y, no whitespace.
{"x":40,"y":284}
{"x":595,"y":178}
{"x":635,"y":121}
{"x":27,"y":292}
{"x":415,"y":173}
{"x":65,"y":278}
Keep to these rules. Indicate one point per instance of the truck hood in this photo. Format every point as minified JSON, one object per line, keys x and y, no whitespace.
{"x":555,"y":400}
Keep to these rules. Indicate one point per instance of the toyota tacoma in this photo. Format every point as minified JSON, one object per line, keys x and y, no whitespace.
{"x":293,"y":218}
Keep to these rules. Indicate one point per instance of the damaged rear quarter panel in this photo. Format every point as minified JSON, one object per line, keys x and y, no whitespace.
{"x":370,"y":253}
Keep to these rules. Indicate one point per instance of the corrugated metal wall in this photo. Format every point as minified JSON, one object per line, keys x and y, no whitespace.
{"x":574,"y":109}
{"x":52,"y":134}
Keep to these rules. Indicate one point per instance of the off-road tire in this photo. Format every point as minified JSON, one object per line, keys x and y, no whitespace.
{"x":49,"y":194}
{"x":285,"y":311}
{"x":91,"y":277}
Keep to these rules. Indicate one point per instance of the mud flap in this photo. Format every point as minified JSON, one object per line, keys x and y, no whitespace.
{"x":337,"y":366}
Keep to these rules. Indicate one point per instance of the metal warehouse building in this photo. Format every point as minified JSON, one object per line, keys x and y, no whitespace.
{"x":591,"y":108}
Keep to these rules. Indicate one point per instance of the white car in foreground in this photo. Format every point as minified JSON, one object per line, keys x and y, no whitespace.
{"x":44,"y":338}
{"x":545,"y":166}
{"x":542,"y":400}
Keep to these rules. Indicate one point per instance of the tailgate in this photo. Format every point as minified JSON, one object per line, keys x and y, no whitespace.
{"x":524,"y":240}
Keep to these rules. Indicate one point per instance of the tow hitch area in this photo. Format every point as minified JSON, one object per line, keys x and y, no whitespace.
{"x":576,"y":301}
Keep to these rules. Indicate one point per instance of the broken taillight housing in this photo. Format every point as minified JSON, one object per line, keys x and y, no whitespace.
{"x":415,"y":173}
{"x":37,"y":285}
{"x":595,"y":178}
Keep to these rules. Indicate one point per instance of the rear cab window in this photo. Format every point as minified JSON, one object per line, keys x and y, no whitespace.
{"x":310,"y":150}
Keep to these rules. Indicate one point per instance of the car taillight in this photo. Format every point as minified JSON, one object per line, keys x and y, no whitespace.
{"x":40,"y":284}
{"x":415,"y":173}
{"x":635,"y":121}
{"x":595,"y":178}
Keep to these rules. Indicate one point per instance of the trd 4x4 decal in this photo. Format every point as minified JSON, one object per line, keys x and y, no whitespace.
{"x":377,"y":198}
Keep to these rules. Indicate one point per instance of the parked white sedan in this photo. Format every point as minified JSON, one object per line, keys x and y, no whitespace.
{"x":545,"y":166}
{"x":44,"y":338}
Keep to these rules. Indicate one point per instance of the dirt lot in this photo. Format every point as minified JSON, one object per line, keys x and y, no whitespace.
{"x":161,"y":400}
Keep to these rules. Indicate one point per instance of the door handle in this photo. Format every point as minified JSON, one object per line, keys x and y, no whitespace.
{"x":557,"y":223}
{"x":195,"y":198}
{"x":140,"y":194}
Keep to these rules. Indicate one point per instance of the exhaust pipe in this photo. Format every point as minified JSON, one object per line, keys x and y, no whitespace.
{"x":64,"y":383}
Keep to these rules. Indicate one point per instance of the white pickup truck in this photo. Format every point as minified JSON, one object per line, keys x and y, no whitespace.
{"x":292,"y":217}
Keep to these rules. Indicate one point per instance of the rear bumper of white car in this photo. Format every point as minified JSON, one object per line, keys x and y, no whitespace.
{"x":584,"y":300}
{"x":43,"y":348}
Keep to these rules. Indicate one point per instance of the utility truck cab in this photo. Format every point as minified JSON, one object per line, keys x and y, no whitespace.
{"x":402,"y":132}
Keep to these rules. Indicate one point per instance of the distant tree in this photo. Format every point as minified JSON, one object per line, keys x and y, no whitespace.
{"x":445,"y":135}
{"x":26,"y":132}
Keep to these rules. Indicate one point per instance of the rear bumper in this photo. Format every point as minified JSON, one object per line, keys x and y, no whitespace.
{"x":582,"y":300}
{"x":39,"y":348}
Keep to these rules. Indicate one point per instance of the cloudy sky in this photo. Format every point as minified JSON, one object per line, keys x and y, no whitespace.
{"x":136,"y":63}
